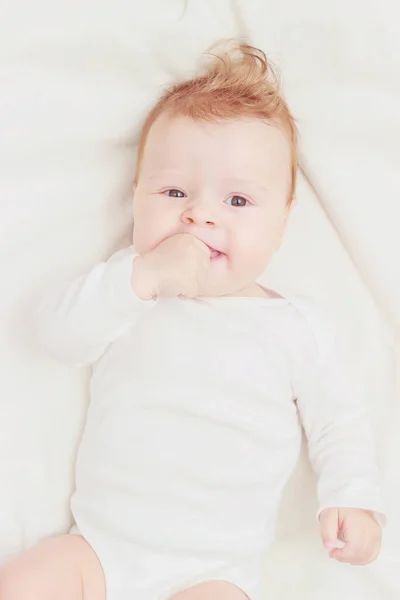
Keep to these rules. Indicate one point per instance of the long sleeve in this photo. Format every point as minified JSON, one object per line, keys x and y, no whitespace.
{"x":340,"y":439}
{"x":78,"y":321}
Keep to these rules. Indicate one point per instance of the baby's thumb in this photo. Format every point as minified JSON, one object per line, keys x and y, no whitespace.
{"x":328,"y":523}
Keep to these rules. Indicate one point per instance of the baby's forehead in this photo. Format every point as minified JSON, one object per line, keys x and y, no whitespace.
{"x":246,"y":142}
{"x":213,"y":128}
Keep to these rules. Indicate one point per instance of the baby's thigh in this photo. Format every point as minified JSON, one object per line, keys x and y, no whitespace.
{"x":212,"y":590}
{"x":60,"y":568}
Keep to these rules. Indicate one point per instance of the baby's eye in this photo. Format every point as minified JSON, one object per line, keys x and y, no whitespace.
{"x":236,"y":201}
{"x":174,"y":193}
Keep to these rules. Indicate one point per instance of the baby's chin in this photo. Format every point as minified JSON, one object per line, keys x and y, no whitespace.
{"x":219,"y":284}
{"x":248,"y":291}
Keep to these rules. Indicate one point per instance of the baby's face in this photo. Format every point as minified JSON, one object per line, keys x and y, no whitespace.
{"x":226,"y":183}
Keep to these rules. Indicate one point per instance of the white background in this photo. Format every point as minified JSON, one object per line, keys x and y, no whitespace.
{"x":76,"y":79}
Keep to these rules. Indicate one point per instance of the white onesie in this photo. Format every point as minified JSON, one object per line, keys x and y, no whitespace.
{"x":194,"y":427}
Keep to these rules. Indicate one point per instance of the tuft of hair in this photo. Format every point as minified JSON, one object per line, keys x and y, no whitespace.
{"x":239,"y":81}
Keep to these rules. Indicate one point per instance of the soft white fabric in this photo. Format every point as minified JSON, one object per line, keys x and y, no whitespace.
{"x":193,"y":426}
{"x":76,"y":79}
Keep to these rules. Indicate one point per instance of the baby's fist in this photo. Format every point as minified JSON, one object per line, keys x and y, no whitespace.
{"x":359,"y":531}
{"x":176,"y":267}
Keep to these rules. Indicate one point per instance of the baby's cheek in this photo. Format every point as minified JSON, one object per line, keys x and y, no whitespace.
{"x":143,"y":235}
{"x":249,"y":260}
{"x":149,"y":231}
{"x":257,"y":245}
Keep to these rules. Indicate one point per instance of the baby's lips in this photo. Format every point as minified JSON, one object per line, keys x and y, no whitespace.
{"x":214,"y":253}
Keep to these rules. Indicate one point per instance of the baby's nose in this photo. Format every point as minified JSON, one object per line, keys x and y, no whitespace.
{"x":198,"y":214}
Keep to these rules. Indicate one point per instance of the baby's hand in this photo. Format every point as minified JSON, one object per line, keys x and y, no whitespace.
{"x":359,"y":531}
{"x":176,"y":267}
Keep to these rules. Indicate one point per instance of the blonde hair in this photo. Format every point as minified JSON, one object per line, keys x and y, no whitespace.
{"x":238,"y":82}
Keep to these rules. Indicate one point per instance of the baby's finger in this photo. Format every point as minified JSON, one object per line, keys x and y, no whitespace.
{"x":191,"y":287}
{"x":328,"y":523}
{"x":346,"y":554}
{"x":200,"y":246}
{"x":353,"y":554}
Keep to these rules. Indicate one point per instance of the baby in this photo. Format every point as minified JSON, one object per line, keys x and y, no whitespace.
{"x":201,"y":378}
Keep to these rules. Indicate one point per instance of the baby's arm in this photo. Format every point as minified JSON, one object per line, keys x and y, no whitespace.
{"x":80,"y":320}
{"x":340,"y":440}
{"x":77,"y":322}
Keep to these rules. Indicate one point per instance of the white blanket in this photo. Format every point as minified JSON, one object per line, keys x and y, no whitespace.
{"x":76,"y":79}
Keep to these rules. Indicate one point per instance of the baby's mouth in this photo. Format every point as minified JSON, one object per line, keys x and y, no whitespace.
{"x":215,"y":254}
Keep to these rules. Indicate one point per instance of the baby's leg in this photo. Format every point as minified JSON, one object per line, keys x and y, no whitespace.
{"x":212,"y":590}
{"x":60,"y":568}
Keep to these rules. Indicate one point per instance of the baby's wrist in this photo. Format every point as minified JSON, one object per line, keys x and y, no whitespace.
{"x":142,"y":280}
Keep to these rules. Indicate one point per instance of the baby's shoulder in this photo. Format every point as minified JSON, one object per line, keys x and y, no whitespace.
{"x":316,"y":322}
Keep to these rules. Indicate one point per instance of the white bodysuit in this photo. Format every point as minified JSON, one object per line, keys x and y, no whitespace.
{"x":194,"y":427}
